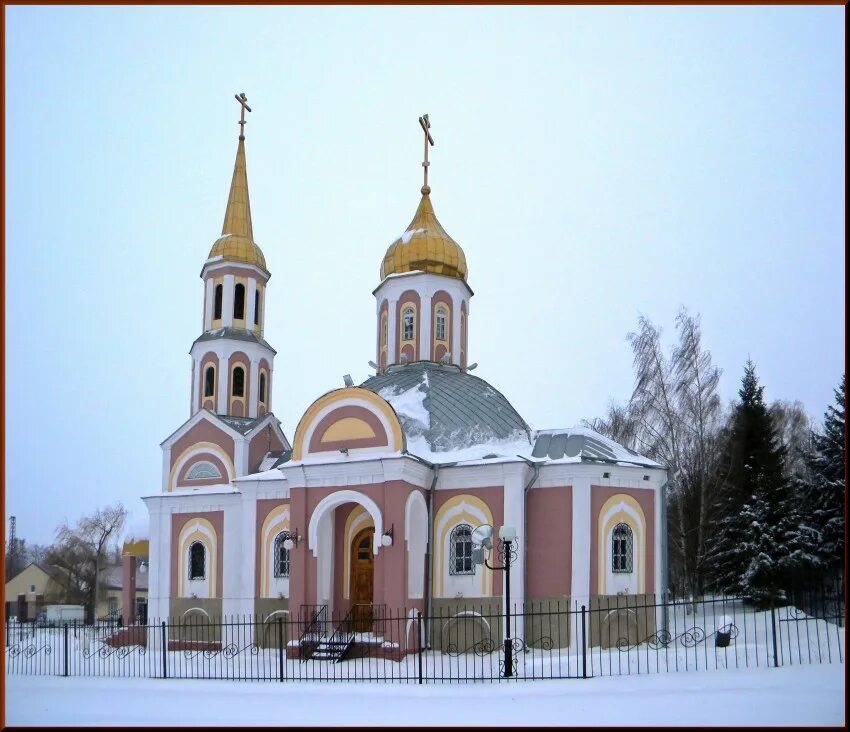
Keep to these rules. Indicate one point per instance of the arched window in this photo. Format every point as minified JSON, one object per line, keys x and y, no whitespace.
{"x":217,"y":308}
{"x":440,"y":329}
{"x":238,"y":389}
{"x":281,"y":555}
{"x":408,"y":322}
{"x":203,"y":469}
{"x":256,"y":307}
{"x":622,"y":542}
{"x":461,"y":550}
{"x":209,"y":381}
{"x":384,"y":331}
{"x":263,"y":387}
{"x":197,"y":561}
{"x":239,"y":302}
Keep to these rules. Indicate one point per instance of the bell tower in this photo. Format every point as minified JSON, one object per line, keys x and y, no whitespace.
{"x":231,"y":362}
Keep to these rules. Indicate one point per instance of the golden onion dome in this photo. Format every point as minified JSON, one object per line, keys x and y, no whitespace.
{"x":425,"y":246}
{"x":236,"y":242}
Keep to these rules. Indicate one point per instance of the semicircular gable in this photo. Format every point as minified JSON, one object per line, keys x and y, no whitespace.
{"x":352,"y":418}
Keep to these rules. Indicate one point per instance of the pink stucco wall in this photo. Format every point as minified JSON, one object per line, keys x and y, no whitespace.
{"x":550,"y":542}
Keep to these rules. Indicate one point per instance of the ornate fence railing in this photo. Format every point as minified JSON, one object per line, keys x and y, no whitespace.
{"x":604,"y":636}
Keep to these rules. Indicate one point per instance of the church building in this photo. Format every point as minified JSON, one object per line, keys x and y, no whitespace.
{"x":369,"y":507}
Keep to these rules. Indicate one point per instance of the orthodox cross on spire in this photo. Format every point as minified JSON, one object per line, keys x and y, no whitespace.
{"x":243,"y":102}
{"x":426,"y":125}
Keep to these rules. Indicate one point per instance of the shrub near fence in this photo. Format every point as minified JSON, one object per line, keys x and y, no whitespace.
{"x":610,"y":636}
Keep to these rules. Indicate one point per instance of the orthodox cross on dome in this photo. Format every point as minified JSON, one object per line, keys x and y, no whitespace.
{"x":243,"y":102}
{"x":426,"y":125}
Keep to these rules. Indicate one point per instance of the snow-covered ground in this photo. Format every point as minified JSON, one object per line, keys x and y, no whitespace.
{"x":797,"y":696}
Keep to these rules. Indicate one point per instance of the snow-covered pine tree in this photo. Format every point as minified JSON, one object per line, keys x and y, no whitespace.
{"x":757,"y":538}
{"x":826,"y":490}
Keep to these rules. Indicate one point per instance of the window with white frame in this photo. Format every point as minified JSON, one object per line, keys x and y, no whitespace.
{"x":622,"y":541}
{"x":407,"y":324}
{"x":460,"y":559}
{"x":197,"y":561}
{"x":441,"y":325}
{"x":203,"y":469}
{"x":281,"y":555}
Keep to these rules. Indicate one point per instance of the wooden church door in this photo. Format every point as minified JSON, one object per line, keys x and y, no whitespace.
{"x":362,"y":578}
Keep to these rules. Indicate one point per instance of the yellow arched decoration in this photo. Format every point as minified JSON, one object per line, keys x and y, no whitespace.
{"x":274,"y":523}
{"x":348,"y":428}
{"x":189,"y":534}
{"x":440,"y":308}
{"x":231,"y":399}
{"x":366,"y":399}
{"x":464,"y":517}
{"x":402,"y":341}
{"x":357,"y":520}
{"x":263,"y":373}
{"x":209,"y":365}
{"x":216,"y":322}
{"x":604,"y":529}
{"x":199,"y":447}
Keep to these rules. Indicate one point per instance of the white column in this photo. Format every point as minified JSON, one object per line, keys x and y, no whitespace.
{"x":252,"y":288}
{"x":247,"y":568}
{"x":223,"y":378}
{"x":424,"y":326}
{"x":196,"y":386}
{"x":166,"y":467}
{"x":580,"y":585}
{"x":514,"y":512}
{"x":208,"y":304}
{"x":392,"y":330}
{"x":227,"y":301}
{"x":159,"y":576}
{"x":254,"y":388}
{"x":232,"y":602}
{"x":240,"y":458}
{"x":456,"y":333}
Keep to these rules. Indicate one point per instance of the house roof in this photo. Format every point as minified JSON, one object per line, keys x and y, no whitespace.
{"x":236,"y":334}
{"x":112,"y":577}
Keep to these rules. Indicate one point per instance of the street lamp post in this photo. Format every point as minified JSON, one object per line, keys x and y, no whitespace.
{"x":507,"y":553}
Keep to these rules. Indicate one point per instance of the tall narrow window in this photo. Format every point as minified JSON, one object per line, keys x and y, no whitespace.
{"x":209,"y":381}
{"x":217,"y":307}
{"x":197,"y":561}
{"x":239,"y":302}
{"x":384,"y":331}
{"x":622,"y":550}
{"x":441,"y":325}
{"x":263,"y":388}
{"x":407,"y":320}
{"x":256,"y":307}
{"x":461,"y":550}
{"x":281,"y":555}
{"x":238,"y":389}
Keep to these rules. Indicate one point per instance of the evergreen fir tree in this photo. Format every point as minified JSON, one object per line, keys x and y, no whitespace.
{"x":758,"y":540}
{"x":825,"y":494}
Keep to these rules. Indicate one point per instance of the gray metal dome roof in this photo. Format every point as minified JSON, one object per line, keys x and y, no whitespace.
{"x":447,"y":407}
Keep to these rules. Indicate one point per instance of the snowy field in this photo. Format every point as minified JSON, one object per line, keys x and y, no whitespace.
{"x":798,"y":696}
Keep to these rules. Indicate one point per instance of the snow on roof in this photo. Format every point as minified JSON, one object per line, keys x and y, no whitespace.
{"x":574,"y":444}
{"x":271,"y":474}
{"x":409,"y":403}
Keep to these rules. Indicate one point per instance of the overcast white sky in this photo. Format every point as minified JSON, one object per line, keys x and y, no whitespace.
{"x":593,"y":163}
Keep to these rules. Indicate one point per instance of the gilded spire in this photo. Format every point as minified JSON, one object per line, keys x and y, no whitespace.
{"x":237,"y":217}
{"x":237,"y":233}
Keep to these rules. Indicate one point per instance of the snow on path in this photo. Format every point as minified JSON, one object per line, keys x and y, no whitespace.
{"x":811,"y":695}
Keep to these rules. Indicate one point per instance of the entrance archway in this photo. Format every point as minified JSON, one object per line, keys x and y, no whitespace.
{"x":362,"y":578}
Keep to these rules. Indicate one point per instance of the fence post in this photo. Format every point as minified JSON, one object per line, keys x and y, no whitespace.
{"x":164,"y":651}
{"x":583,"y":642}
{"x":280,"y":646}
{"x":773,"y":632}
{"x":66,"y":650}
{"x":419,"y":641}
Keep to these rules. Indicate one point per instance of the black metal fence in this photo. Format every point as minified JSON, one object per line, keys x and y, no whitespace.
{"x":547,"y":640}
